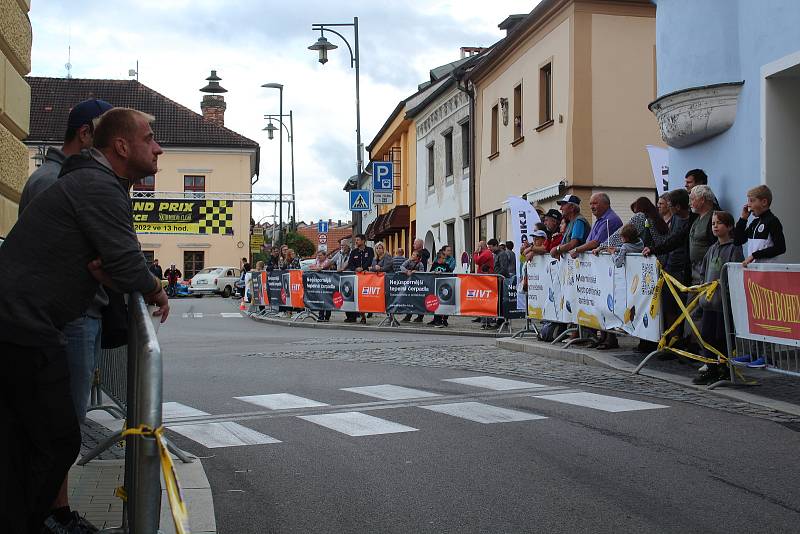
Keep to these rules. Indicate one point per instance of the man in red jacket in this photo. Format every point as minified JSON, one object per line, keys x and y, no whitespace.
{"x":484,"y":259}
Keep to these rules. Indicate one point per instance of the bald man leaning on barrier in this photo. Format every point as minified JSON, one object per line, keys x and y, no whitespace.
{"x":75,"y":233}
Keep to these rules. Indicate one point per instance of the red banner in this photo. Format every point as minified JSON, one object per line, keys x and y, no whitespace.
{"x":479,"y":295}
{"x":371,"y":293}
{"x":773,"y":303}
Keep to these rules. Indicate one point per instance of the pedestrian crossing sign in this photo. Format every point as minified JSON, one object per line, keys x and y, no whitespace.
{"x":360,"y":200}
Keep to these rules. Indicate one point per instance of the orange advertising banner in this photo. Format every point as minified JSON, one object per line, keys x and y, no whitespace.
{"x":773,"y":303}
{"x":296,"y":288}
{"x":371,"y":293}
{"x":479,"y":295}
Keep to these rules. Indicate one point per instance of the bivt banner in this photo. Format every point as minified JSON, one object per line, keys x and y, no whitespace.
{"x":183,"y":216}
{"x":350,"y":292}
{"x":457,"y":294}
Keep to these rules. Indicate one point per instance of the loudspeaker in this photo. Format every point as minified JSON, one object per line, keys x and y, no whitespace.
{"x":447,"y":290}
{"x":348,"y":287}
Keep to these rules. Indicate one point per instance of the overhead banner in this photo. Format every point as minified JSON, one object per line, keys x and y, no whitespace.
{"x":592,"y":292}
{"x":183,"y":216}
{"x":765,"y":301}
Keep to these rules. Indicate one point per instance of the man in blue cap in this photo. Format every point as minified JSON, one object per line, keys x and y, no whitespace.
{"x":82,"y":334}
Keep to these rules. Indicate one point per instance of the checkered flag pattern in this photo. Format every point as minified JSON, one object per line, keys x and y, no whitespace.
{"x":216,"y":217}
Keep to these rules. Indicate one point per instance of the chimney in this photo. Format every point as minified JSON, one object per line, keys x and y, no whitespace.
{"x":469,"y":51}
{"x":213,"y":104}
{"x":511,"y":22}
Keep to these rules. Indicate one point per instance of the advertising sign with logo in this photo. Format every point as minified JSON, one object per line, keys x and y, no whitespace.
{"x":765,"y":300}
{"x":255,"y":288}
{"x":634,"y":298}
{"x":478,"y":295}
{"x":183,"y":216}
{"x":371,"y":292}
{"x":273,"y":289}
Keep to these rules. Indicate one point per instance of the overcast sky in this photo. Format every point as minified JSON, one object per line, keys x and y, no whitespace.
{"x":177,"y":43}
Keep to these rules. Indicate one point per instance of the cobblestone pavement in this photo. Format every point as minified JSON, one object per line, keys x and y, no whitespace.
{"x":481,"y":356}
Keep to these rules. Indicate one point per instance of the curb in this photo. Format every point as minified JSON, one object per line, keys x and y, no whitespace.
{"x":608,"y":361}
{"x":196,"y":492}
{"x":390,"y":329}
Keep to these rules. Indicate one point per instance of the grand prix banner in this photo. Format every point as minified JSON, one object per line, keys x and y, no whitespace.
{"x":456,"y":294}
{"x":765,"y":301}
{"x":183,"y":216}
{"x":592,"y":292}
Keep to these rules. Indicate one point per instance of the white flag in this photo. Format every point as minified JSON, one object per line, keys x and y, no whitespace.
{"x":659,"y":161}
{"x":523,"y":222}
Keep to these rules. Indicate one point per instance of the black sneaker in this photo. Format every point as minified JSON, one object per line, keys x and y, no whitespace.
{"x":418,"y":319}
{"x":76,"y":525}
{"x":707,"y":377}
{"x":433,"y":322}
{"x":406,"y":319}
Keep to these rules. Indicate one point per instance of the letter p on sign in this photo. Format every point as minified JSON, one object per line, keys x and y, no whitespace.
{"x":382,"y":176}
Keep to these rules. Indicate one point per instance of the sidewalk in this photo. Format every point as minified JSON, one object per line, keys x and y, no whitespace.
{"x":457,"y":326}
{"x":774,"y":391}
{"x":91,"y":487}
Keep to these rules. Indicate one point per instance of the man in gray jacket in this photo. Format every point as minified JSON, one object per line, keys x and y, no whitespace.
{"x":73,"y":234}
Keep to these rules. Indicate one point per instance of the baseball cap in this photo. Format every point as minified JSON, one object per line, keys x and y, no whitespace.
{"x":539,"y":233}
{"x":569,"y":199}
{"x":86,"y":111}
{"x":553,"y":213}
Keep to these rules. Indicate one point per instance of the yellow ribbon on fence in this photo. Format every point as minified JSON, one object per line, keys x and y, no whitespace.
{"x":180,"y":515}
{"x":707,"y":290}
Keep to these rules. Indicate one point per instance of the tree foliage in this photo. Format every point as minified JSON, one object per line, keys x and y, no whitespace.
{"x":302,"y":245}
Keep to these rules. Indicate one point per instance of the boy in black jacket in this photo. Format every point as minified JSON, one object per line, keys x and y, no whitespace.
{"x":762,"y":239}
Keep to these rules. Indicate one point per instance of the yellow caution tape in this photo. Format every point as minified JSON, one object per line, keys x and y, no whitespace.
{"x":121,"y":493}
{"x":177,"y":504}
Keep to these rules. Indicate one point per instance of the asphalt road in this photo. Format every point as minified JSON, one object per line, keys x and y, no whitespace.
{"x":420,"y":462}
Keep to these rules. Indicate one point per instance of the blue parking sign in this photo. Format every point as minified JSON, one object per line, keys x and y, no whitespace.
{"x":360,"y":200}
{"x":382,"y":176}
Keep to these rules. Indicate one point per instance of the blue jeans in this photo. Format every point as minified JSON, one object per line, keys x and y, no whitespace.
{"x":83,"y":352}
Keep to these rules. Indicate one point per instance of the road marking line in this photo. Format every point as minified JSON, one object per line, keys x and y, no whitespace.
{"x":281,"y":401}
{"x":231,"y":315}
{"x":173,"y":410}
{"x":215,"y":435}
{"x":494,"y":383}
{"x":601,"y":402}
{"x":357,"y":424}
{"x":482,"y":413}
{"x":192,"y":315}
{"x":390,"y":392}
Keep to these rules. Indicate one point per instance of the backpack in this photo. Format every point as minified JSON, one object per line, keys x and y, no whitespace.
{"x":549,"y":331}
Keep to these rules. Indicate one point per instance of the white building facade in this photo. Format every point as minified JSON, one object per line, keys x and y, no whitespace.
{"x":443,"y":141}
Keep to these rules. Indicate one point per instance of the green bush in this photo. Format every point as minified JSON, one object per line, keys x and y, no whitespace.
{"x":302,"y":245}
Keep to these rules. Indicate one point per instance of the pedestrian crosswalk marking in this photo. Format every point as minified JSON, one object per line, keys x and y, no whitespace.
{"x":605,"y":403}
{"x":281,"y":401}
{"x":391,"y":392}
{"x":227,"y":434}
{"x":494,"y":383}
{"x":483,"y":413}
{"x":357,"y":424}
{"x":192,"y":315}
{"x":231,"y":315}
{"x":174,"y":410}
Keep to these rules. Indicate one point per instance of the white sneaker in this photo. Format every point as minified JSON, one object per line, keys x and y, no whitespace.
{"x":703,"y":369}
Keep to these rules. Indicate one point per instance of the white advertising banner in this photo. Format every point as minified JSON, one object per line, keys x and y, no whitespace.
{"x":659,"y":162}
{"x":592,"y":292}
{"x":523,"y":221}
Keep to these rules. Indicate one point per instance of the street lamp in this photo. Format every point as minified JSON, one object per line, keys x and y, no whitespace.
{"x":322,"y":46}
{"x":279,"y":87}
{"x":271,"y":129}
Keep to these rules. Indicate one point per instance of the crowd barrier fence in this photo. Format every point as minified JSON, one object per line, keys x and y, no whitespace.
{"x":423,"y":293}
{"x":134,"y":373}
{"x":762,"y":314}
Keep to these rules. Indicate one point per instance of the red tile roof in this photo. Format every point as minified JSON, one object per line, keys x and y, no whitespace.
{"x":175,"y":125}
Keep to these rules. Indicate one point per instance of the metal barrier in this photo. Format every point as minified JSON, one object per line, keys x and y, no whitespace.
{"x":782,"y":358}
{"x":132,"y":377}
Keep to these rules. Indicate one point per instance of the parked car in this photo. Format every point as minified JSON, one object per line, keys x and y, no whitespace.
{"x":214,"y":281}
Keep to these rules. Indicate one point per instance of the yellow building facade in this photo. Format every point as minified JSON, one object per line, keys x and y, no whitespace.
{"x":561,"y":107}
{"x":16,"y":37}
